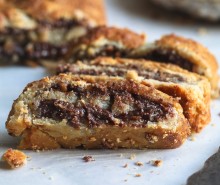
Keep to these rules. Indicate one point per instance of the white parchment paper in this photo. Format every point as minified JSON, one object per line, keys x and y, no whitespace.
{"x":66,"y":167}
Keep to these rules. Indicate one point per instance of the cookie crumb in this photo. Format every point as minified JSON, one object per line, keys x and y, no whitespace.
{"x":139,"y":163}
{"x":132,"y":156}
{"x":138,"y":175}
{"x":157,"y":163}
{"x":125,"y":166}
{"x":192,"y":138}
{"x":88,"y":158}
{"x":14,"y":158}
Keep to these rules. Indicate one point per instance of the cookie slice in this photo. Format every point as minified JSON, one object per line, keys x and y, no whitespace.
{"x":36,"y":30}
{"x":95,"y":112}
{"x":185,"y":53}
{"x":105,"y":41}
{"x":192,"y":90}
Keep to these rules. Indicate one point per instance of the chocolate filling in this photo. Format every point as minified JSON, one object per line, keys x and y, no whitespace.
{"x":106,"y":50}
{"x":78,"y":113}
{"x":62,"y":23}
{"x":121,"y":71}
{"x":42,"y":50}
{"x":168,"y":56}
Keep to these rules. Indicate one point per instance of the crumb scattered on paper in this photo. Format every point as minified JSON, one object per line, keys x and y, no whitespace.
{"x":88,"y":158}
{"x":125,"y":166}
{"x":138,"y":175}
{"x":14,"y":158}
{"x":157,"y":163}
{"x":192,"y":137}
{"x":139,"y":163}
{"x":132,"y":156}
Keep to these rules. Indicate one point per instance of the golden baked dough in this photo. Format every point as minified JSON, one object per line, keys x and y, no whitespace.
{"x":36,"y":30}
{"x":91,"y":11}
{"x":192,"y":90}
{"x":186,"y":53}
{"x":96,"y":112}
{"x":105,"y":41}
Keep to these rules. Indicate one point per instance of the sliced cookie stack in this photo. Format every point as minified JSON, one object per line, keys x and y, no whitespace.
{"x":112,"y":90}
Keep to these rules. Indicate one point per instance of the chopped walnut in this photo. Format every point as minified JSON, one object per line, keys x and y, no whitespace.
{"x":157,"y":163}
{"x":14,"y":158}
{"x":88,"y":158}
{"x":151,"y":138}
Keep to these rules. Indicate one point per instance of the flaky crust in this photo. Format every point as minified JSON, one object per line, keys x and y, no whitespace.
{"x":46,"y":135}
{"x":193,"y":93}
{"x":205,"y":62}
{"x":124,"y":36}
{"x":46,"y":10}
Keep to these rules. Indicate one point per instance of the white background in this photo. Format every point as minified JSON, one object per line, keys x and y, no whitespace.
{"x":66,"y":166}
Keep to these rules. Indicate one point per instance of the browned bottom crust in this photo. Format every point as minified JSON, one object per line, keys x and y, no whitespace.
{"x":111,"y":137}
